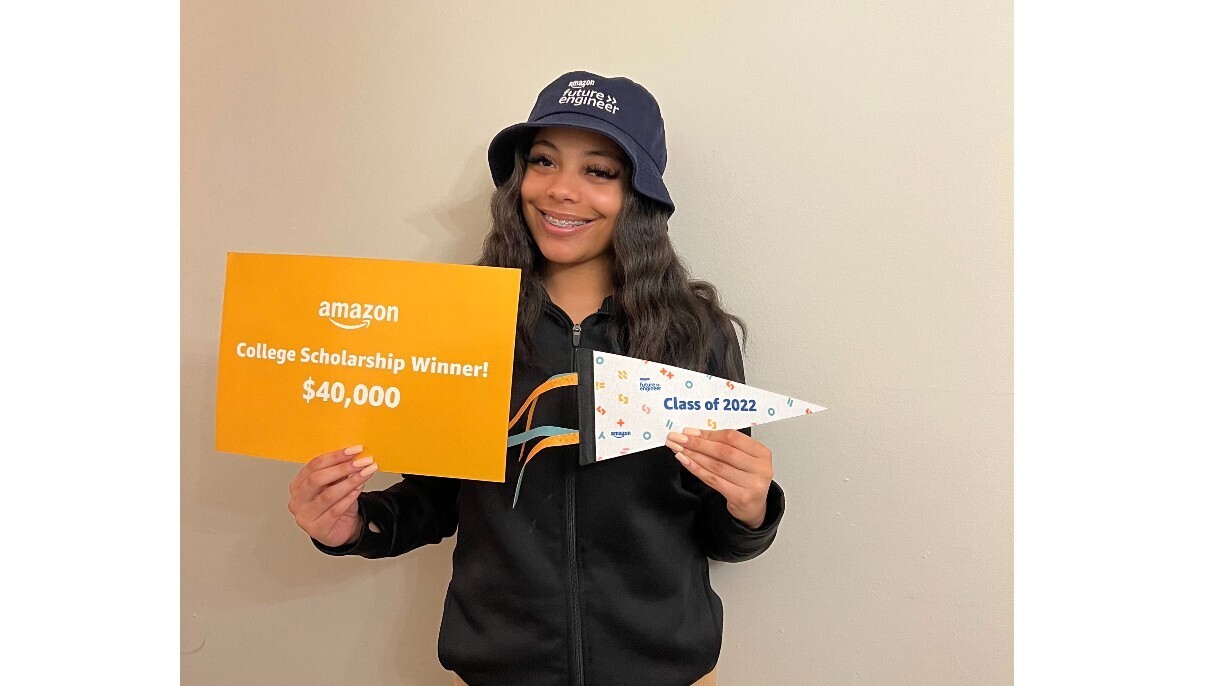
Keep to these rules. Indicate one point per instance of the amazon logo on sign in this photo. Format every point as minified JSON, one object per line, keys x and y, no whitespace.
{"x":358,"y":315}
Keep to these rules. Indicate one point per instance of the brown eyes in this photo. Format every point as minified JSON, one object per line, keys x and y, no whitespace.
{"x":537,"y":159}
{"x":599,"y":171}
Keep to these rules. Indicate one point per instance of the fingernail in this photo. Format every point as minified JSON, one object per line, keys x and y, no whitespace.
{"x":692,"y":432}
{"x":682,"y":458}
{"x":353,"y":450}
{"x":679,"y":438}
{"x":362,"y":462}
{"x":673,"y":446}
{"x":367,"y":471}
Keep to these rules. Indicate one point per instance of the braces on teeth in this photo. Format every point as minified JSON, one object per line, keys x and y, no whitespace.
{"x":565,"y":223}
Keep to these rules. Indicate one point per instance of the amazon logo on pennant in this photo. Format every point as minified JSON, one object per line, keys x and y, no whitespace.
{"x":680,"y":398}
{"x":687,"y":398}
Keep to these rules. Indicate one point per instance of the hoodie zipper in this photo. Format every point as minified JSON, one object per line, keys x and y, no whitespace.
{"x":574,"y":620}
{"x":578,"y":657}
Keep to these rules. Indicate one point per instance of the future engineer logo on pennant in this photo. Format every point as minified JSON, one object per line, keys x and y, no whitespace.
{"x":627,"y":405}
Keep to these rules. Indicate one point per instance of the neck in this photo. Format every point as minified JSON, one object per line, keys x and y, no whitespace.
{"x":579,"y":289}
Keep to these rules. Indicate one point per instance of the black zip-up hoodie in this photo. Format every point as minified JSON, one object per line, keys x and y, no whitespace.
{"x":599,"y":577}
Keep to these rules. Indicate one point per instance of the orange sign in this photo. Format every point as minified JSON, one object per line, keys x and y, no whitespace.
{"x":413,"y":360}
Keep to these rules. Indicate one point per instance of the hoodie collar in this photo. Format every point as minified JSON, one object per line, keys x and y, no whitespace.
{"x":607,"y":306}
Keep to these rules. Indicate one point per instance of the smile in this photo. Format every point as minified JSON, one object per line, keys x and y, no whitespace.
{"x":563,"y":223}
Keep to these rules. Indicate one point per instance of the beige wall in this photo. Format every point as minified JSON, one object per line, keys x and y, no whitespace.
{"x":843,"y":171}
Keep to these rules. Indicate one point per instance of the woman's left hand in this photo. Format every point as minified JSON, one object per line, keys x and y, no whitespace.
{"x":734,"y":464}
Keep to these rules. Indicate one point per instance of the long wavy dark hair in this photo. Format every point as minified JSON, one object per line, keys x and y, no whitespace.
{"x":660,"y":313}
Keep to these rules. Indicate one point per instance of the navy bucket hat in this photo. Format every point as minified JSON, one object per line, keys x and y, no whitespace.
{"x":617,"y":108}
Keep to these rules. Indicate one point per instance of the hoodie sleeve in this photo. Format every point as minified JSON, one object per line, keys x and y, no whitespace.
{"x":414,"y":512}
{"x":720,"y":534}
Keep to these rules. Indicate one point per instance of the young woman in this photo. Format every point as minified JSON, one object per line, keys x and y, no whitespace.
{"x":599,"y":574}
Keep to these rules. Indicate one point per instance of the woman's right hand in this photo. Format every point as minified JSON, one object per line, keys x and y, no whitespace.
{"x":323,"y":495}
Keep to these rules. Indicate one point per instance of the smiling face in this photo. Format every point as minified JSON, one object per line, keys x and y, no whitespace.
{"x":572,"y":193}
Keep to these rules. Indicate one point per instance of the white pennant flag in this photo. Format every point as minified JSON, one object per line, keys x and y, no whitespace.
{"x":628,"y":405}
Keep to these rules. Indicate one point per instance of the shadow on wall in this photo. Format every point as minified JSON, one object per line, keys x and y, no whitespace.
{"x":235,"y":507}
{"x":453,"y":232}
{"x":240,"y":504}
{"x":393,"y":624}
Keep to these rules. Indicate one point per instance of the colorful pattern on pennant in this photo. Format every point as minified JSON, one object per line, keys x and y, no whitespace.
{"x":636,"y":403}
